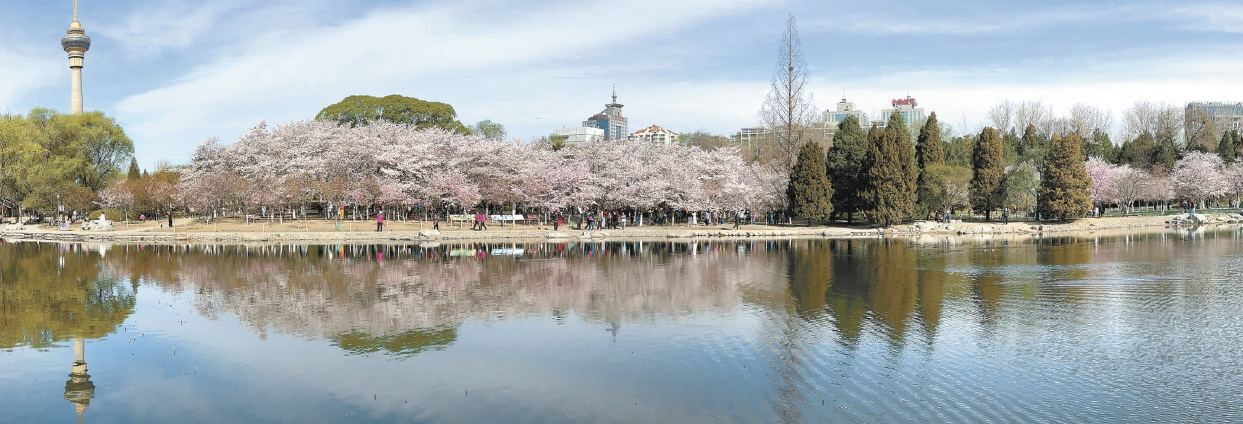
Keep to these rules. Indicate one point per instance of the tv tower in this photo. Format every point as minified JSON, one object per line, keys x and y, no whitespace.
{"x":76,"y":43}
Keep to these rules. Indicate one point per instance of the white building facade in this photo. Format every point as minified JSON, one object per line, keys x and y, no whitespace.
{"x":655,"y":134}
{"x":575,"y":135}
{"x":844,"y":110}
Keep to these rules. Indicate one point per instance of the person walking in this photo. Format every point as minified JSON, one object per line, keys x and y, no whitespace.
{"x":379,"y":221}
{"x":556,"y":224}
{"x":436,"y":221}
{"x":170,"y":219}
{"x":1005,"y":216}
{"x":483,"y":221}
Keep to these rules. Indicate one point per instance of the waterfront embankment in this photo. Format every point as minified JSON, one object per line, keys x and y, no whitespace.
{"x":226,"y":231}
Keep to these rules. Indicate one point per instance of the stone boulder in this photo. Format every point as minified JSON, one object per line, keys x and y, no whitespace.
{"x":429,"y":234}
{"x":98,"y":225}
{"x":558,"y":235}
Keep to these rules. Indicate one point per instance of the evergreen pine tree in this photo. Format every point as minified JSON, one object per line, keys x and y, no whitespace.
{"x":134,"y":173}
{"x":810,"y":193}
{"x":1238,"y":145}
{"x":1138,"y":152}
{"x":1165,"y":153}
{"x":891,"y":174}
{"x":987,"y":173}
{"x":929,"y":151}
{"x":1225,"y":148}
{"x":1064,"y":185}
{"x":845,"y":162}
{"x":1030,"y":142}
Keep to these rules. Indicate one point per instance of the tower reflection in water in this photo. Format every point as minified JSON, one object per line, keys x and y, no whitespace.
{"x":79,"y":390}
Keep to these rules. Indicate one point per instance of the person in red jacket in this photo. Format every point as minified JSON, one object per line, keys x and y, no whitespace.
{"x":379,"y":221}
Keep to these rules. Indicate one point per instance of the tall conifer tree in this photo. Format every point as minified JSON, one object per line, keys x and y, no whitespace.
{"x":1225,"y":148}
{"x":845,"y":162}
{"x":987,"y":173}
{"x":1064,"y":185}
{"x":929,"y":151}
{"x":891,"y":174}
{"x":134,"y":173}
{"x":810,"y":193}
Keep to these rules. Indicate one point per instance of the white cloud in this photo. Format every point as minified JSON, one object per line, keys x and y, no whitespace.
{"x":22,"y":73}
{"x":291,"y":73}
{"x":155,"y":28}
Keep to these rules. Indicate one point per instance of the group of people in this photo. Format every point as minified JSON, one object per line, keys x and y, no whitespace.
{"x":605,"y":220}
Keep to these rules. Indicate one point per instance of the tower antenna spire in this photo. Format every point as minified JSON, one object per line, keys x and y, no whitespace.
{"x":75,"y":10}
{"x":614,"y":87}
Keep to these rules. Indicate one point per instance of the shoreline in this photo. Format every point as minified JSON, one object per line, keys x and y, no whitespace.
{"x":915,"y":230}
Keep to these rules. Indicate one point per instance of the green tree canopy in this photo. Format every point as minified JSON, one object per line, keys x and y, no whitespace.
{"x":1064,"y":185}
{"x":1100,"y":146}
{"x":891,"y":174}
{"x":947,"y":187}
{"x":48,"y":158}
{"x":987,"y":173}
{"x":488,"y":129}
{"x":810,"y":192}
{"x":1138,"y":152}
{"x":1225,"y":148}
{"x":959,"y":150}
{"x":845,"y":162}
{"x":929,"y":151}
{"x":134,"y":173}
{"x":363,"y":110}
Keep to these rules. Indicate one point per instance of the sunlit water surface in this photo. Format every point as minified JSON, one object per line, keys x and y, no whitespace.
{"x":1075,"y":329}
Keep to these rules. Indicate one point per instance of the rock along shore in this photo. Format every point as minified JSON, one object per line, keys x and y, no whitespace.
{"x":916,"y":229}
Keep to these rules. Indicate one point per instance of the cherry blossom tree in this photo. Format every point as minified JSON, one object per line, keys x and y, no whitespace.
{"x":1130,"y":185}
{"x":118,"y":195}
{"x":1103,"y":188}
{"x":299,"y":163}
{"x":1198,"y":177}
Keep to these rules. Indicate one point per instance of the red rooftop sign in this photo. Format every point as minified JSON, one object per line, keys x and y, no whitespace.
{"x":908,"y":101}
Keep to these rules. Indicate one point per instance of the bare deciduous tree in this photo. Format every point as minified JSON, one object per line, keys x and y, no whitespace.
{"x":1036,"y":114}
{"x":1001,"y":116}
{"x":1163,"y":121}
{"x":789,"y":110}
{"x":1085,"y":119}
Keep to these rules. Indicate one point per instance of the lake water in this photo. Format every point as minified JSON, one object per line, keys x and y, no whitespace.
{"x":1091,"y":329}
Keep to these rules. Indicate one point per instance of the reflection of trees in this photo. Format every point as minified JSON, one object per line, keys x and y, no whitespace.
{"x":52,"y":292}
{"x":415,"y":297}
{"x":406,"y":343}
{"x":894,"y":288}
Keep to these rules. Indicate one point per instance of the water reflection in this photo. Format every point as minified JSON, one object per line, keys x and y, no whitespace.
{"x":988,"y":329}
{"x":403,"y":299}
{"x":50,"y":293}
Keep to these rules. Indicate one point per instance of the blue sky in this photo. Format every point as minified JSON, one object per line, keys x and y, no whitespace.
{"x":175,"y":73}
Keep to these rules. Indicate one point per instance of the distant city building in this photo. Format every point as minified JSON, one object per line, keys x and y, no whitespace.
{"x":610,"y":120}
{"x":575,"y":135}
{"x":907,"y":108}
{"x":845,"y":109}
{"x":1225,"y":116}
{"x":655,"y":134}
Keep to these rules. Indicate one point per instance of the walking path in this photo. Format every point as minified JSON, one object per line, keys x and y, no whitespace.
{"x":318,"y":231}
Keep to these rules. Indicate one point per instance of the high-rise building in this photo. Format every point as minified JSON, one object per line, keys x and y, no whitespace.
{"x":907,"y":107}
{"x":610,"y":120}
{"x":655,"y":134}
{"x":1225,"y":116}
{"x":845,"y":109}
{"x":76,"y":43}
